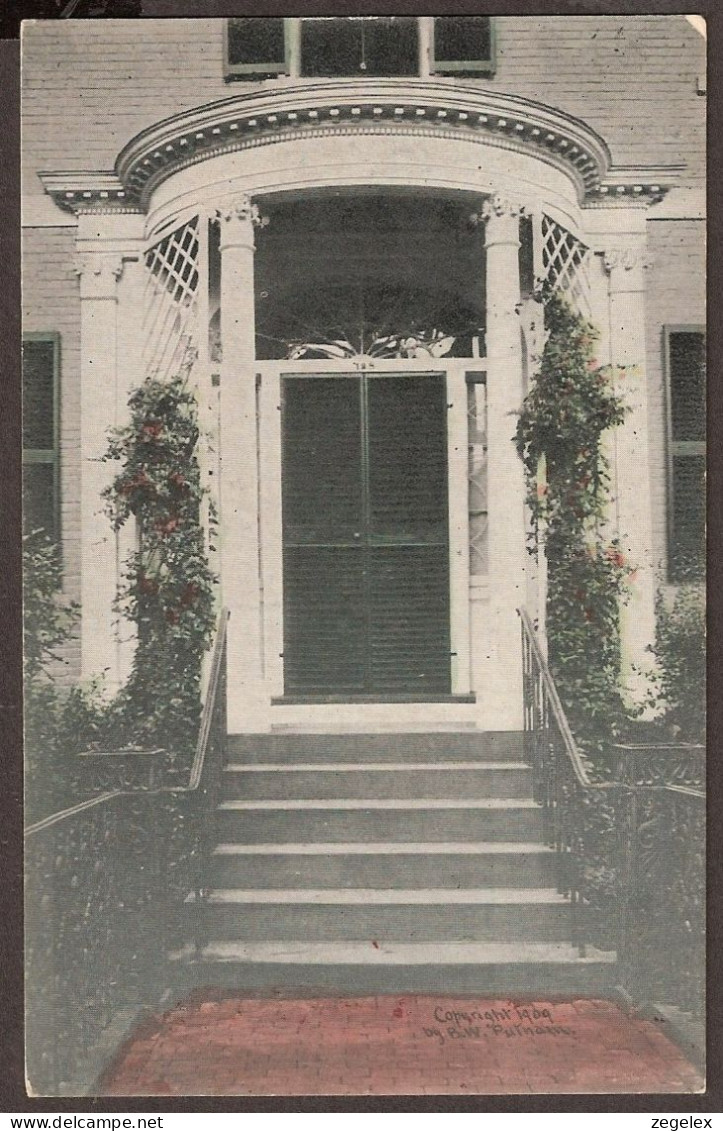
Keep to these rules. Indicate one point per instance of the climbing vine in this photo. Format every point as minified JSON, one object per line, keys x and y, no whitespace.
{"x":571,"y":404}
{"x":169,"y":587}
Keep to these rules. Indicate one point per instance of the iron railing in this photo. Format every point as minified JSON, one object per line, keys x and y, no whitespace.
{"x":561,"y":783}
{"x":106,"y":882}
{"x":631,"y":850}
{"x":662,"y":830}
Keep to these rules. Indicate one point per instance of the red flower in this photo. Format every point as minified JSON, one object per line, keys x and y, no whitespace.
{"x":147,"y":585}
{"x":177,"y":480}
{"x":151,"y":430}
{"x":172,"y":616}
{"x":166,"y":526}
{"x":140,"y":480}
{"x":615,"y":557}
{"x":190,"y":593}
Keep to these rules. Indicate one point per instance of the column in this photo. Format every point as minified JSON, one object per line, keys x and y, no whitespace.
{"x":506,"y":481}
{"x":99,"y":273}
{"x":239,"y":487}
{"x":624,"y":262}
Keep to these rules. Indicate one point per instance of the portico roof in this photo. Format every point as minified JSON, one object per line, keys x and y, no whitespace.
{"x":282,"y":111}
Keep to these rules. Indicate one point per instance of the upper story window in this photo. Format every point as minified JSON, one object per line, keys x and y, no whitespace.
{"x":377,"y":45}
{"x":685,"y":356}
{"x":354,"y":46}
{"x":41,"y":470}
{"x":256,"y":47}
{"x":462,"y":44}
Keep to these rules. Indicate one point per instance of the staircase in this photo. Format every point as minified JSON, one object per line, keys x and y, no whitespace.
{"x":385,"y":863}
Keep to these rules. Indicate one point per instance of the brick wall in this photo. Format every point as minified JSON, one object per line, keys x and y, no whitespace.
{"x":90,"y":86}
{"x":51,"y":302}
{"x":675,"y":296}
{"x":632,"y":78}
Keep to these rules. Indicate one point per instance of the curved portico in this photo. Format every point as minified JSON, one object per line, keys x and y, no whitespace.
{"x":178,"y":226}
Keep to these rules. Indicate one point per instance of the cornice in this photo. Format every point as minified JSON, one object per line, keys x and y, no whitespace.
{"x":348,"y":107}
{"x":83,"y":192}
{"x":627,"y":185}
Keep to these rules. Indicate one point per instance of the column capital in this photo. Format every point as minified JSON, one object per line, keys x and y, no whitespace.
{"x":624,"y":263}
{"x":501,"y":215}
{"x":626,"y":256}
{"x":238,"y":218}
{"x":99,"y":273}
{"x":499,"y":206}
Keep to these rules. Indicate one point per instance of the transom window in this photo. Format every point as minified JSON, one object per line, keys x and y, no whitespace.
{"x":352,"y":46}
{"x":364,"y":319}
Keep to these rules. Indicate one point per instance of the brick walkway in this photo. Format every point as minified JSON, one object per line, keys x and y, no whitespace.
{"x":395,"y":1045}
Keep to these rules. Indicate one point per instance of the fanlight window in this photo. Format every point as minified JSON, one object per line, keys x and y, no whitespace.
{"x":366,"y":320}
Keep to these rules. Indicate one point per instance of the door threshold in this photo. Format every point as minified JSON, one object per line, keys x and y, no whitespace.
{"x":411,"y":697}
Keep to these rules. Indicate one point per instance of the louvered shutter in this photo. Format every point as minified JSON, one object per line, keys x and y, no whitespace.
{"x":408,"y":587}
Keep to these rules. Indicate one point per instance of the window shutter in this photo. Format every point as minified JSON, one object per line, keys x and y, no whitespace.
{"x":463,"y":44}
{"x":685,"y":348}
{"x":41,"y":463}
{"x":255,"y":46}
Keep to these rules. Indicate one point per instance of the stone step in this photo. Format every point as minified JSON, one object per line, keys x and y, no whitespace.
{"x":388,"y":864}
{"x":390,"y":915}
{"x":480,"y":968}
{"x":390,"y":819}
{"x":309,"y":780}
{"x":437,"y":746}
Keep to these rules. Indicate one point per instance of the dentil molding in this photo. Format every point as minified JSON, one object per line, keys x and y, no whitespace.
{"x":424,"y":107}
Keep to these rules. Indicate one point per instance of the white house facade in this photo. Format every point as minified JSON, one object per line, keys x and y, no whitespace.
{"x":346,"y":262}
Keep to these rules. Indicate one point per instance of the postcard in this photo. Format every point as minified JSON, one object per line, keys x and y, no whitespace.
{"x":364,"y":547}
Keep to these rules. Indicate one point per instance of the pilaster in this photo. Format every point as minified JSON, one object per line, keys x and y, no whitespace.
{"x":624,"y":262}
{"x":130,"y":374}
{"x":98,"y":273}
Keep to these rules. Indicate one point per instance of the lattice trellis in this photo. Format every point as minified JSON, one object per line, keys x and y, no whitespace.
{"x":566,"y":264}
{"x":171,"y":301}
{"x":477,"y":477}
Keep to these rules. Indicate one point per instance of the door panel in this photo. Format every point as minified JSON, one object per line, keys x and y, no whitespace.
{"x":321,"y":460}
{"x":407,"y":459}
{"x":324,"y":619}
{"x":365,"y":526}
{"x":409,"y":620}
